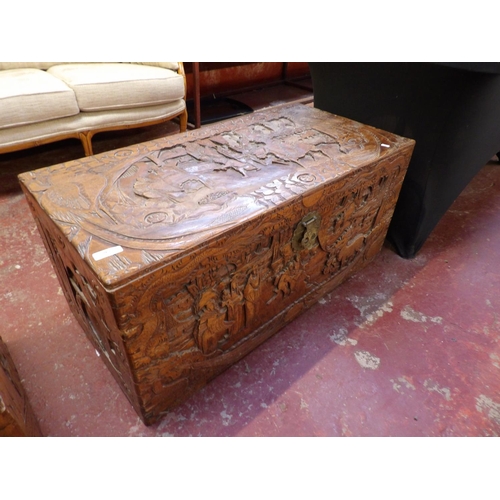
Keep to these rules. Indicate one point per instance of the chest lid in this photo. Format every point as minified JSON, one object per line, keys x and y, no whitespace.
{"x":127,"y":211}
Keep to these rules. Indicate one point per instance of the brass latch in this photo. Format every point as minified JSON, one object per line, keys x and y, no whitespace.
{"x":305,"y":235}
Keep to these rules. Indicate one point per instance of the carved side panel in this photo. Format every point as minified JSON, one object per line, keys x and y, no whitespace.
{"x":87,"y":299}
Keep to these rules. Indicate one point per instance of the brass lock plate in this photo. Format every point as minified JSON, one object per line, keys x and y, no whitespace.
{"x":305,"y":235}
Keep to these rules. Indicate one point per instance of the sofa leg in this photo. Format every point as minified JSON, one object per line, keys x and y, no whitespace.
{"x":183,"y":121}
{"x":86,"y":139}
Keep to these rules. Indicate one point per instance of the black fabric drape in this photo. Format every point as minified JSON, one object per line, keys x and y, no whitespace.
{"x":452,"y":110}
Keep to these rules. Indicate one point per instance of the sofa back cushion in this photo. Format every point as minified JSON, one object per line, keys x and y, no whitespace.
{"x":113,"y":86}
{"x":31,"y":96}
{"x":22,"y":65}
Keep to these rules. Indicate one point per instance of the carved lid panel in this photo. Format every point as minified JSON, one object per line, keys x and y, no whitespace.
{"x":127,"y":210}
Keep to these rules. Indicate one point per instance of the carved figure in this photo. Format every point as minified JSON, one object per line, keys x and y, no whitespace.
{"x":212,"y":323}
{"x":288,"y":279}
{"x":232,"y":300}
{"x":251,"y":294}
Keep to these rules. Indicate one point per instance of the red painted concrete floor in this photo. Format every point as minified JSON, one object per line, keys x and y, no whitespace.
{"x":404,"y":348}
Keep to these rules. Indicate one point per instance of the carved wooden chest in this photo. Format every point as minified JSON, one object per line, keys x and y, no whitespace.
{"x":179,"y":256}
{"x":16,"y":415}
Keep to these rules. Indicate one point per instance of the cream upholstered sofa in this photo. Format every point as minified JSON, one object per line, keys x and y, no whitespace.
{"x":45,"y":102}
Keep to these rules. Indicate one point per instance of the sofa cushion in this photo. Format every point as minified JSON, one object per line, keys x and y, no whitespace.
{"x":32,"y":96}
{"x":107,"y":86}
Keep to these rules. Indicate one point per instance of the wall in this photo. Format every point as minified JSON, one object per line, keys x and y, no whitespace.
{"x":229,"y":76}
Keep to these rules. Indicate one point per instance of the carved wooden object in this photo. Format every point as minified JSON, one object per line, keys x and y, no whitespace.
{"x":213,"y":239}
{"x":16,"y":415}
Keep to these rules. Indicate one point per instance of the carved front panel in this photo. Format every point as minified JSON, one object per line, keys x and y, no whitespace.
{"x":192,"y":319}
{"x":224,"y":235}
